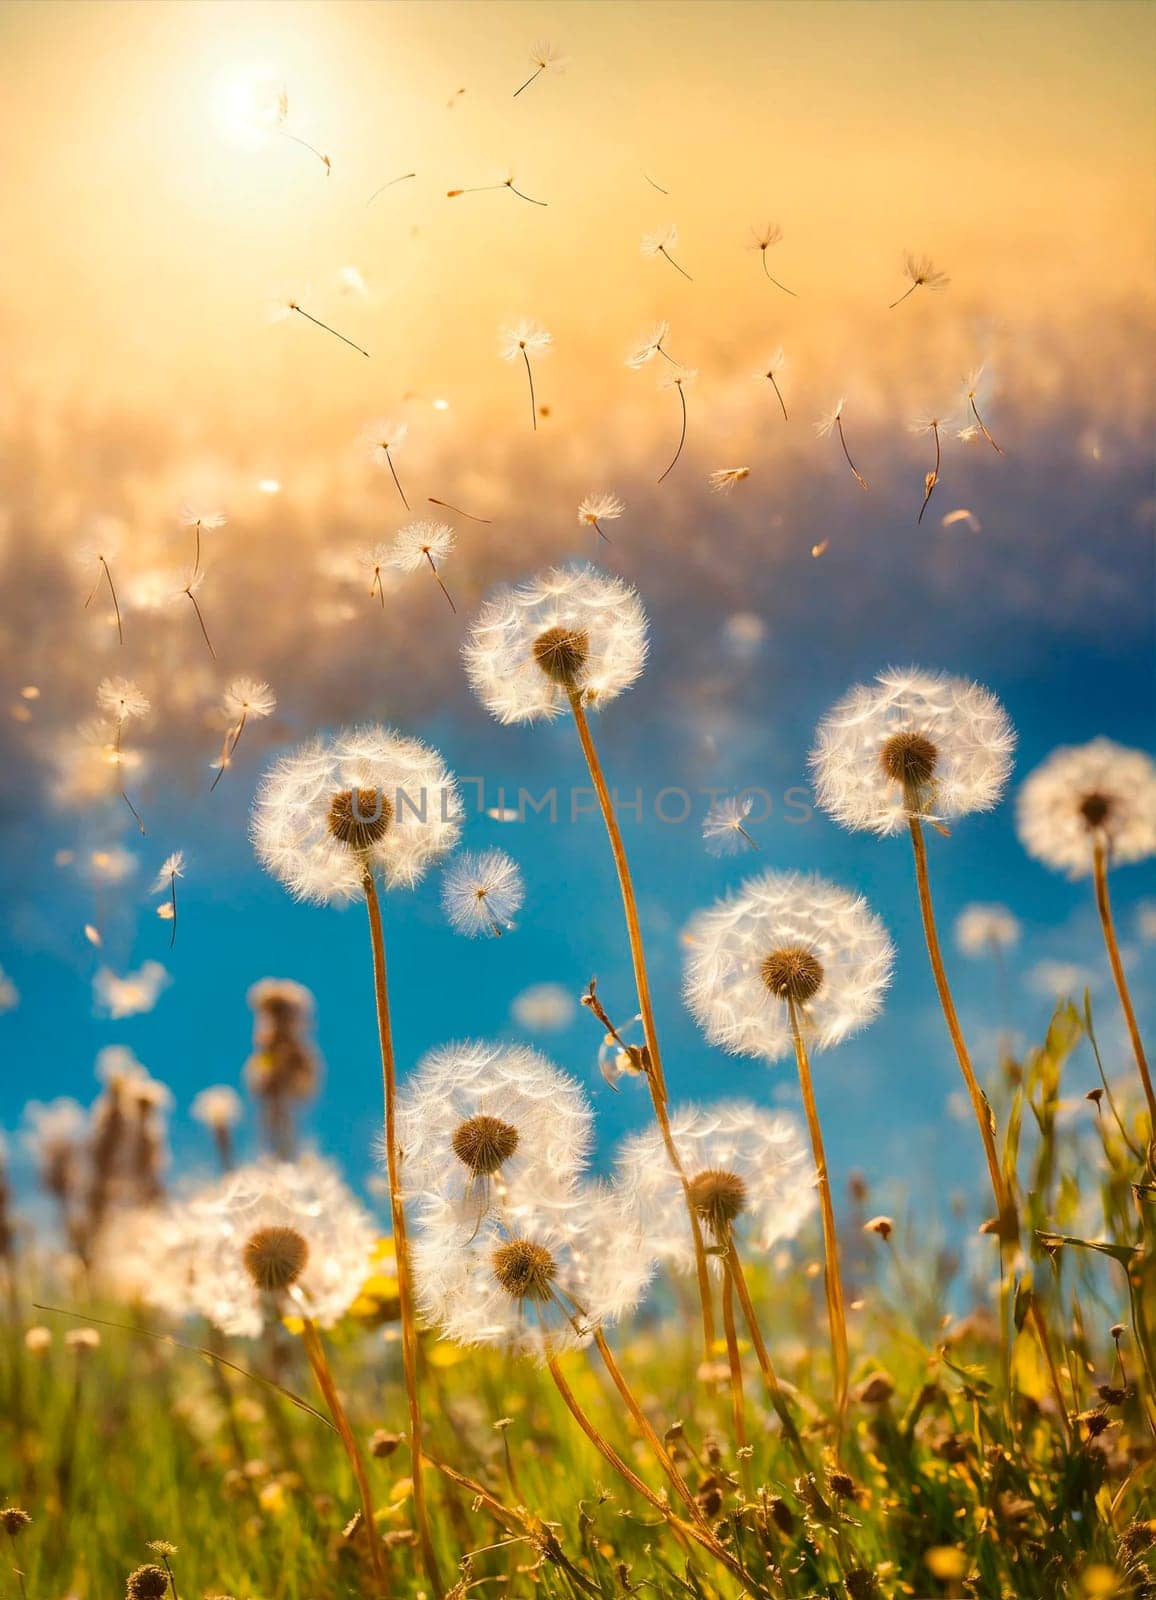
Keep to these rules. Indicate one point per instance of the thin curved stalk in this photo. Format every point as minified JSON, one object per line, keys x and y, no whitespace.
{"x":440,"y":584}
{"x":681,"y":437}
{"x":984,"y":1116}
{"x":533,"y":401}
{"x":773,"y":279}
{"x":779,"y":395}
{"x":317,"y":323}
{"x":1104,"y":907}
{"x":396,"y":479}
{"x":738,"y":1399}
{"x":315,"y":1350}
{"x":655,"y":1077}
{"x":832,"y":1277}
{"x":400,"y":1237}
{"x":763,"y":1356}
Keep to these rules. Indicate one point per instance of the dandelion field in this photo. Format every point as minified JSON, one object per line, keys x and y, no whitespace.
{"x":578,"y":838}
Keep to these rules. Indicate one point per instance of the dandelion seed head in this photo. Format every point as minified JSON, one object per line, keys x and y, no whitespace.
{"x":481,"y":889}
{"x":923,"y":273}
{"x":723,"y":479}
{"x":546,"y":58}
{"x":382,"y":436}
{"x":770,"y":234}
{"x":275,"y":1257}
{"x":249,"y":698}
{"x":14,"y":1520}
{"x":774,"y":366}
{"x":218,"y":1106}
{"x":570,"y":629}
{"x":723,"y":827}
{"x":747,"y":1168}
{"x":980,"y":929}
{"x":523,"y":338}
{"x":206,"y":518}
{"x":417,"y":543}
{"x":173,"y":866}
{"x":912,"y":743}
{"x":147,"y":1583}
{"x":678,"y":378}
{"x":539,"y":1285}
{"x":368,"y":797}
{"x":1084,"y":794}
{"x":494,"y":1111}
{"x":600,"y":508}
{"x":122,"y":699}
{"x":104,"y":542}
{"x":780,"y":937}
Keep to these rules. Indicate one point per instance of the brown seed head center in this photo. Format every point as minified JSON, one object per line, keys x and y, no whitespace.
{"x":910,"y":759}
{"x":1095,"y":809}
{"x":793,"y":973}
{"x":561,"y":653}
{"x":275,"y":1258}
{"x":525,"y":1270}
{"x":359,"y":818}
{"x":718,"y":1197}
{"x":484,"y":1144}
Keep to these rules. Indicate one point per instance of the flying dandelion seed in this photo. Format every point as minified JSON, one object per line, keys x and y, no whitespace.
{"x":245,"y":700}
{"x":833,"y":423}
{"x":457,"y":510}
{"x":653,"y":345}
{"x":200,"y":520}
{"x":765,"y":239}
{"x":381,"y":438}
{"x":982,"y":929}
{"x":678,"y":380}
{"x":772,"y":373}
{"x":134,"y":995}
{"x":123,"y":701}
{"x":376,"y":561}
{"x":189,"y":589}
{"x":506,"y":183}
{"x":482,"y":892}
{"x":931,"y":425}
{"x":660,"y":243}
{"x":100,"y":551}
{"x":951,"y":518}
{"x":389,"y":185}
{"x":423,"y":543}
{"x":724,"y":826}
{"x":282,"y":309}
{"x":974,"y":387}
{"x":723,"y":480}
{"x":165,"y":882}
{"x":655,"y":185}
{"x":544,"y":59}
{"x":821,"y":548}
{"x":598,"y":508}
{"x":519,"y":341}
{"x":922,"y":274}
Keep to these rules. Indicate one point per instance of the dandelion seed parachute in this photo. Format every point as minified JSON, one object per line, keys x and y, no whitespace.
{"x":249,"y":698}
{"x":419,"y":543}
{"x":601,"y":616}
{"x":482,"y":892}
{"x":724,"y":826}
{"x":980,"y":929}
{"x":390,"y":796}
{"x":533,"y":1124}
{"x":1083,"y":792}
{"x":951,"y":738}
{"x":764,"y":1151}
{"x":727,"y":984}
{"x":218,"y":1106}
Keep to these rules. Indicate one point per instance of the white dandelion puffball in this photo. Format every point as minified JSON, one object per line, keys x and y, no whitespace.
{"x":482,"y":892}
{"x":1086,"y":794}
{"x":218,"y":1106}
{"x":490,"y":1126}
{"x":275,"y":1238}
{"x":597,"y":508}
{"x":122,"y":699}
{"x":782,"y":937}
{"x":420,"y":542}
{"x":724,"y":829}
{"x":747,"y":1168}
{"x":541,"y":1286}
{"x":982,"y":929}
{"x":249,"y":698}
{"x":366,"y":798}
{"x":572,"y":629}
{"x":912,"y":744}
{"x":381,"y":436}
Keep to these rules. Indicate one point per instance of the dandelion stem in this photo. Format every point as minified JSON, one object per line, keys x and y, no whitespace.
{"x":859,"y":478}
{"x":778,"y":393}
{"x":201,"y":621}
{"x":774,"y":280}
{"x":315,"y":1350}
{"x":600,"y":533}
{"x":738,"y":1402}
{"x":734,"y":1264}
{"x":400,"y":1238}
{"x":531,"y":79}
{"x":446,"y":506}
{"x":18,"y":1570}
{"x":533,"y":402}
{"x":832,"y":1277}
{"x":1104,"y":907}
{"x":983,"y":426}
{"x":902,"y":297}
{"x":389,"y":185}
{"x":1008,"y":1226}
{"x":665,"y":253}
{"x":681,"y":437}
{"x":123,"y":791}
{"x":521,"y":196}
{"x":440,"y":584}
{"x":173,"y":904}
{"x":228,"y":749}
{"x":317,"y":323}
{"x":396,"y":480}
{"x":655,"y":1077}
{"x":1041,"y":1327}
{"x":932,"y":476}
{"x":106,"y":572}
